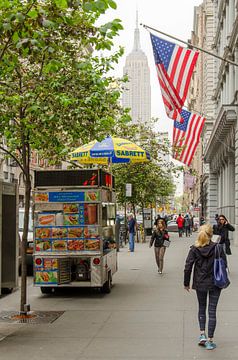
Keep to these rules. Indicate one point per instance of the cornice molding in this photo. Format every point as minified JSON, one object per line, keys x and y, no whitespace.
{"x":222,"y":136}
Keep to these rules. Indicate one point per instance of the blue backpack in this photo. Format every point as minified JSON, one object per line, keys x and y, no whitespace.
{"x":220,"y":270}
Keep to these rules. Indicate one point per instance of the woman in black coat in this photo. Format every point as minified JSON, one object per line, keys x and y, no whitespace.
{"x":201,"y":257}
{"x":159,"y":235}
{"x":222,"y":228}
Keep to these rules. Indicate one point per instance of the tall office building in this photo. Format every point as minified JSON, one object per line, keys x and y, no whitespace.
{"x":137,"y":93}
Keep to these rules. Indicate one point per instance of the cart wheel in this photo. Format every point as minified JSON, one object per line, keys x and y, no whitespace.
{"x":46,"y":290}
{"x":107,"y":286}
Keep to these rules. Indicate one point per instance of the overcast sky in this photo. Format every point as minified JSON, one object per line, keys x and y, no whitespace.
{"x":174,"y":17}
{"x":171,"y":16}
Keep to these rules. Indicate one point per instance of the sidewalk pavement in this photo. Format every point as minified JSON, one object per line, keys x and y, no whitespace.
{"x":147,"y":316}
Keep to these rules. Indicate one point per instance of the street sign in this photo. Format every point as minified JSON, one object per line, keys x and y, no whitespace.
{"x":128,"y":190}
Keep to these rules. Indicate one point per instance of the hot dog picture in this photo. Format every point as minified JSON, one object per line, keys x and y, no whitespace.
{"x":75,"y":245}
{"x":46,"y":219}
{"x":72,"y":219}
{"x":46,"y":277}
{"x":92,"y":245}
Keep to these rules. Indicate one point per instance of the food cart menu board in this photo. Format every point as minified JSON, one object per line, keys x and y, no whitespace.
{"x":67,"y":196}
{"x":75,"y":228}
{"x":66,"y":238}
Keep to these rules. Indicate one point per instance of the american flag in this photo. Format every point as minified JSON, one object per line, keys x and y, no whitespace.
{"x":186,"y":136}
{"x":174,"y":65}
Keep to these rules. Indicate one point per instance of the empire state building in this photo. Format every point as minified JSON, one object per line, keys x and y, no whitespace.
{"x":137,"y":93}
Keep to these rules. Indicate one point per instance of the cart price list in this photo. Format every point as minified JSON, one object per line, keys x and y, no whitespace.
{"x":81,"y":214}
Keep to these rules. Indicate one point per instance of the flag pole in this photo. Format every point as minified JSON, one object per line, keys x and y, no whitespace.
{"x":191,"y":45}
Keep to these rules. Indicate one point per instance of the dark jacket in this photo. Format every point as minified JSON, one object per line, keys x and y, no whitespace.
{"x":202,"y":259}
{"x":223,"y":231}
{"x":131,"y":226}
{"x":158,"y":238}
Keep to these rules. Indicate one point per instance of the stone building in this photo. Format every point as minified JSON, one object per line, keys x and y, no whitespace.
{"x":200,"y":99}
{"x":137,"y":92}
{"x":221,"y":148}
{"x":219,"y":178}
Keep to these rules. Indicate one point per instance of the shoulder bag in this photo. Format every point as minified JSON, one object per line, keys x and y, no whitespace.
{"x":216,"y":238}
{"x":166,"y":242}
{"x":220,"y":270}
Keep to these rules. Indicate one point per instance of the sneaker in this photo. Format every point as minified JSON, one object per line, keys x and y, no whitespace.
{"x":210,"y":345}
{"x":160,"y":272}
{"x":202,"y":340}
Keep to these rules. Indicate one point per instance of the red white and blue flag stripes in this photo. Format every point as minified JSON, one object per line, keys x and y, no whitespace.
{"x":174,"y":65}
{"x":186,"y":136}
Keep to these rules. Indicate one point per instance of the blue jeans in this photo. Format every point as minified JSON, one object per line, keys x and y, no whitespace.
{"x":131,"y":241}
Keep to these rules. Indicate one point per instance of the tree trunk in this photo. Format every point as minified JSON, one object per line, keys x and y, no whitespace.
{"x":143,"y":221}
{"x":125,"y":235}
{"x":134,"y":212}
{"x":24,"y":246}
{"x":27,"y":182}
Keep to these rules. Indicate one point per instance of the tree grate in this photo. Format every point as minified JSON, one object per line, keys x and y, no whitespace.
{"x":32,"y":317}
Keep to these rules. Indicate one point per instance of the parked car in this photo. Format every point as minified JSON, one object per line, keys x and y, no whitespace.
{"x":172,"y":226}
{"x":30,"y":245}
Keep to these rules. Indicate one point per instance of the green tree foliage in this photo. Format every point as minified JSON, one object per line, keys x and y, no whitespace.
{"x":54,"y":93}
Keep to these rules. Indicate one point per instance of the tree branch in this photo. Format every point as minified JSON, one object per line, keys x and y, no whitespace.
{"x":13,"y":31}
{"x":13,"y":156}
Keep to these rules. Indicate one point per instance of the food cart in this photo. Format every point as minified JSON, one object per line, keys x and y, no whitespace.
{"x":74,"y":229}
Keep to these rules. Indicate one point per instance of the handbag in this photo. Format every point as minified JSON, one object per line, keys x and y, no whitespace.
{"x":220,"y":271}
{"x":166,"y":242}
{"x":216,"y":238}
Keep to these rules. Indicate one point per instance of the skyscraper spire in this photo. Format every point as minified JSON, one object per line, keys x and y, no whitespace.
{"x":136,"y":46}
{"x":137,"y":92}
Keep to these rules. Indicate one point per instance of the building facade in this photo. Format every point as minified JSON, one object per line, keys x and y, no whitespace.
{"x":221,"y":149}
{"x":219,"y":103}
{"x":200,"y":99}
{"x":137,"y":92}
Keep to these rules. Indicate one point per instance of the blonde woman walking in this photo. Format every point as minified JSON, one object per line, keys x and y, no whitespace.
{"x":159,"y":235}
{"x":201,"y":257}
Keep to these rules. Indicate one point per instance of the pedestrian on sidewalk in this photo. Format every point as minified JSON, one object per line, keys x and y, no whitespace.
{"x":180,"y":223}
{"x":222,"y":228}
{"x":159,"y":235}
{"x":187,"y":225}
{"x":201,"y":257}
{"x":132,"y":232}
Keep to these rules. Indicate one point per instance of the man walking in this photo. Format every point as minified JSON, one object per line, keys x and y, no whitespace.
{"x":180,"y":223}
{"x":131,"y":229}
